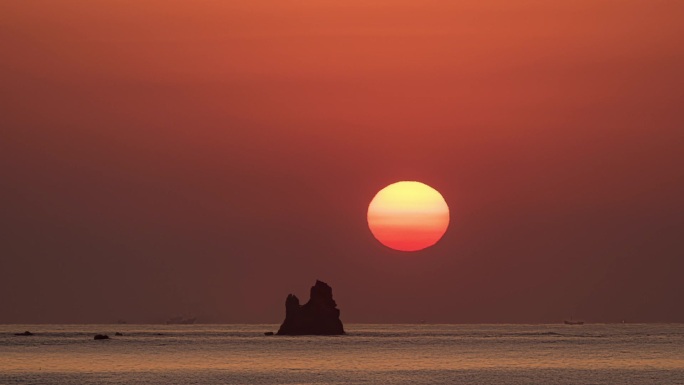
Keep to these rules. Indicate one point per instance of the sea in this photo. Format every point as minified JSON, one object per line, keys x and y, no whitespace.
{"x":368,"y":354}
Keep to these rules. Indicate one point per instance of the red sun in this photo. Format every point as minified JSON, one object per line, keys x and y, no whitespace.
{"x":408,"y":216}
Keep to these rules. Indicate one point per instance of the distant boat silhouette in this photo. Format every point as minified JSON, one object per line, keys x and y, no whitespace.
{"x":181,"y":321}
{"x":573,"y":322}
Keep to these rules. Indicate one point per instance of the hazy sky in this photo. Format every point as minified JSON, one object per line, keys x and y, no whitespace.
{"x":160,"y":158}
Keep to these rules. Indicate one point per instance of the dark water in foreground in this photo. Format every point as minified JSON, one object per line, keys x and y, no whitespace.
{"x":369,"y":354}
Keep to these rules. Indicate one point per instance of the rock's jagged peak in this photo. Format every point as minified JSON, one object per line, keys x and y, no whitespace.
{"x":321,"y":293}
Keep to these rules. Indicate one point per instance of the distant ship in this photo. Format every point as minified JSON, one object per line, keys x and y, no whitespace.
{"x":573,"y":322}
{"x":180,"y":321}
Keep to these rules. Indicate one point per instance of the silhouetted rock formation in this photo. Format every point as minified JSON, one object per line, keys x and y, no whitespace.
{"x":268,"y":333}
{"x":319,"y":316}
{"x":101,"y":337}
{"x":26,"y":333}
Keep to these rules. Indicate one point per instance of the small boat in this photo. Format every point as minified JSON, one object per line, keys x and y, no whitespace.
{"x":181,"y":321}
{"x":573,"y":322}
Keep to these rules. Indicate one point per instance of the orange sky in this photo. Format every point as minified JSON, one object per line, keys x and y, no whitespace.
{"x":165,"y":157}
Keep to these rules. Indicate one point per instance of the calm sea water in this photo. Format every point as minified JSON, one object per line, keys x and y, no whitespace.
{"x":369,"y":354}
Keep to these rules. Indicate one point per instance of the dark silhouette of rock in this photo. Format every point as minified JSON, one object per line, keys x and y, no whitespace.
{"x":26,"y":333}
{"x":319,"y":316}
{"x":118,"y":334}
{"x":268,"y":333}
{"x":101,"y":337}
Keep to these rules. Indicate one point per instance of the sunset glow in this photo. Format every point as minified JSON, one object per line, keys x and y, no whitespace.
{"x":408,"y":216}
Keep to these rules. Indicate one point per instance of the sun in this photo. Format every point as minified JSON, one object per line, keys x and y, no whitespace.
{"x":408,"y":216}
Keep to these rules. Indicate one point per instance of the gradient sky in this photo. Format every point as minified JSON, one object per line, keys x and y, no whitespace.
{"x":164,"y":157}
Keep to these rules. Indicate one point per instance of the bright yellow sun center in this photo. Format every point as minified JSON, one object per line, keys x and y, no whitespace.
{"x":408,"y":216}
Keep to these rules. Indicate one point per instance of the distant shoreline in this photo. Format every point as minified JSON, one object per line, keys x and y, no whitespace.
{"x":350,"y":323}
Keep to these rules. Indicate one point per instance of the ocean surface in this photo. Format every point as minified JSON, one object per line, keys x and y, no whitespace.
{"x":369,"y":354}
